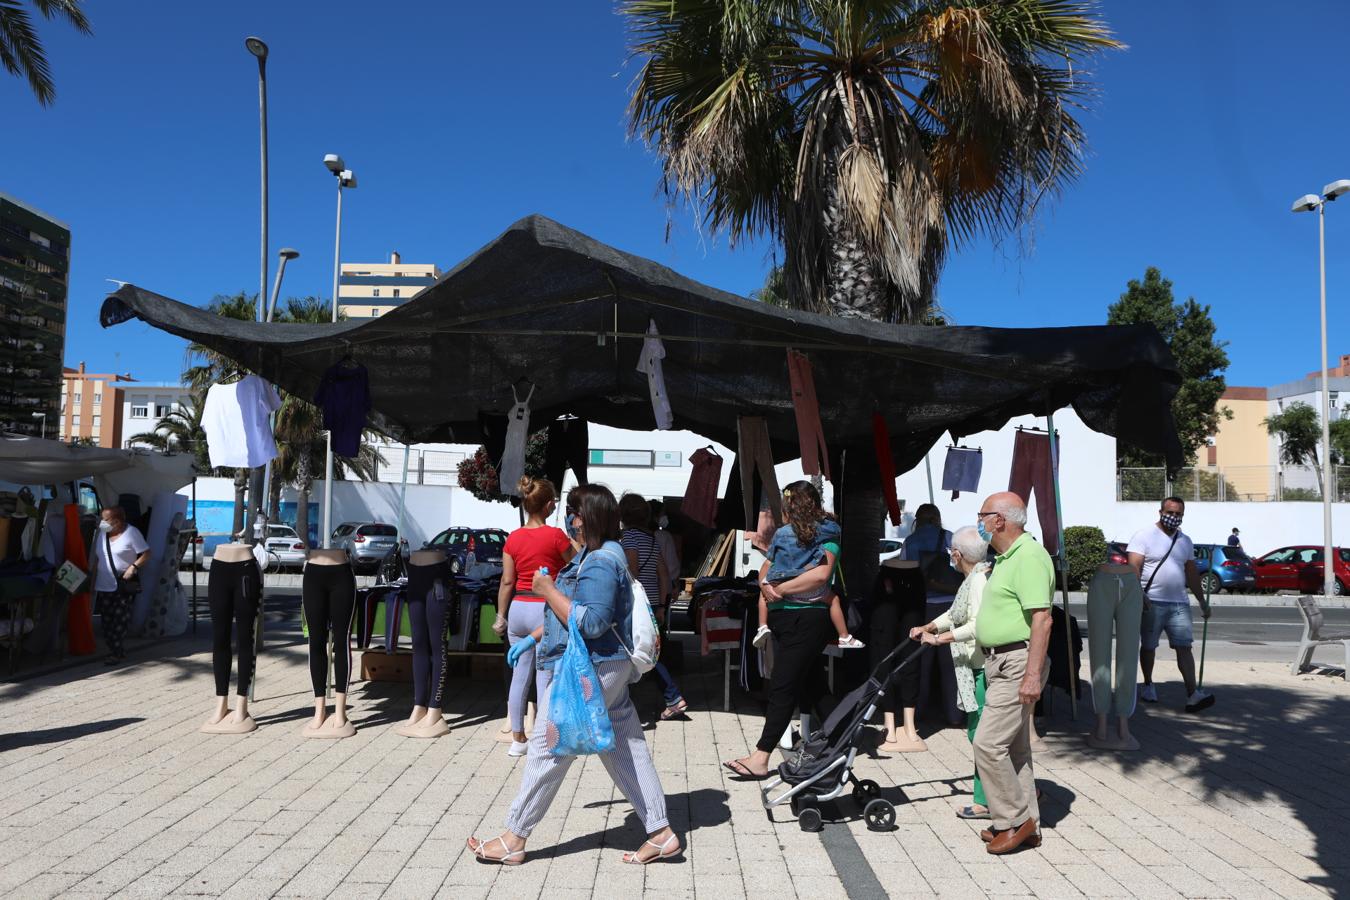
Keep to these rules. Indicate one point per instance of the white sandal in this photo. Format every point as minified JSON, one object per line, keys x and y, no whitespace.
{"x":661,"y":852}
{"x":507,"y":860}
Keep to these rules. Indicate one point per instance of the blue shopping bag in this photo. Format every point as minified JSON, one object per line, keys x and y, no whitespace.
{"x":578,"y":720}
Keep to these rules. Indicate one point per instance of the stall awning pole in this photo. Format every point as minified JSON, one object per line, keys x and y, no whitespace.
{"x":1063,"y":564}
{"x":402,"y":500}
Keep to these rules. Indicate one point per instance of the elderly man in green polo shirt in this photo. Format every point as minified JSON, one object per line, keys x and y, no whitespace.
{"x":1013,"y":630}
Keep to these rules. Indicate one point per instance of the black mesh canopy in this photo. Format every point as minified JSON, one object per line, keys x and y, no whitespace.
{"x":551,"y":306}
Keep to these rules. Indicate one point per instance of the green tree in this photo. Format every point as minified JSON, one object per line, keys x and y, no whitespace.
{"x":181,"y":430}
{"x":1340,"y":441}
{"x":21,"y":51}
{"x":1189,"y":332}
{"x":867,"y":138}
{"x":1299,"y":431}
{"x":478,"y":475}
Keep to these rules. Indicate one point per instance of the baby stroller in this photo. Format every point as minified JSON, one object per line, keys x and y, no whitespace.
{"x":823,"y":766}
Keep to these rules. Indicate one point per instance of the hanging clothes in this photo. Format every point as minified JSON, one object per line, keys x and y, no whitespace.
{"x":700,"y":496}
{"x":569,"y":444}
{"x":517,"y":433}
{"x":1033,"y":470}
{"x":810,"y":434}
{"x":344,"y":397}
{"x":653,"y":351}
{"x":881,"y":443}
{"x":756,"y":456}
{"x":235,"y":419}
{"x":961,"y":471}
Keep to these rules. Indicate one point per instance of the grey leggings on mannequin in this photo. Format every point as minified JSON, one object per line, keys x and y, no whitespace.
{"x":523,"y":617}
{"x":1114,"y":599}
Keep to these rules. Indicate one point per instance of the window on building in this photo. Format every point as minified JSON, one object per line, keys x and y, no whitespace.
{"x":140,"y":412}
{"x":375,"y":292}
{"x":161,"y":410}
{"x":75,"y":420}
{"x":77,"y":396}
{"x":374,"y":310}
{"x":98,"y":398}
{"x":396,"y":290}
{"x":96,"y":421}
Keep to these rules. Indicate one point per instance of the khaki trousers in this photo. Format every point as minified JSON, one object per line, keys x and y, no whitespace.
{"x":1003,"y":742}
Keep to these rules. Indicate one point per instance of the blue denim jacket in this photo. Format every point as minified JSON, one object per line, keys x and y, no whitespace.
{"x":788,"y":558}
{"x":600,"y":588}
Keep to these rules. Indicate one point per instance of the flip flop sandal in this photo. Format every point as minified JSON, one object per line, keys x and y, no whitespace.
{"x":968,"y":812}
{"x":738,"y":768}
{"x":674,"y":712}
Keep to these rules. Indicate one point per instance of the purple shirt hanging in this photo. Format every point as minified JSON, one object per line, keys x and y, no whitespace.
{"x":344,"y":397}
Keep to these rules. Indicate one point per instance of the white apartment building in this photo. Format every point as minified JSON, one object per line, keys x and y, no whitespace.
{"x":368,"y":290}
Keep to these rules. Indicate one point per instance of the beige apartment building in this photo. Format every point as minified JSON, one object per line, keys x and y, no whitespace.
{"x":1241,"y":447}
{"x":368,"y":290}
{"x":91,"y":407}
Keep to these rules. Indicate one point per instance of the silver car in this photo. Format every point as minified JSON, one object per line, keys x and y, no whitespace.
{"x":282,"y":542}
{"x":366,"y":543}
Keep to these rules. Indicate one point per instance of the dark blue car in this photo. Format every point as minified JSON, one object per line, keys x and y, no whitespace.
{"x":1224,"y":568}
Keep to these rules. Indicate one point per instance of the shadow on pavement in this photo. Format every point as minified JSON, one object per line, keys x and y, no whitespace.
{"x":64,"y":733}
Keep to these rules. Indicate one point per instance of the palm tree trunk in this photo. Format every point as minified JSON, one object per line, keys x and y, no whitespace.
{"x":304,"y":480}
{"x":240,"y":486}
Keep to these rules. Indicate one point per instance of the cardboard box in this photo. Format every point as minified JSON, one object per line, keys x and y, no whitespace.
{"x":376,"y":665}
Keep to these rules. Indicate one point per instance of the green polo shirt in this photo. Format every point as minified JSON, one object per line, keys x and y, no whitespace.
{"x":1023,"y":581}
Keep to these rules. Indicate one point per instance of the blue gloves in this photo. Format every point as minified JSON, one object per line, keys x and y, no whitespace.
{"x":519,"y":649}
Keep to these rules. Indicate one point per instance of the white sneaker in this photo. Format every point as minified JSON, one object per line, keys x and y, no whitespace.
{"x":518,"y":748}
{"x":1148,"y":693}
{"x":849,"y":642}
{"x":761,"y":636}
{"x":1198,"y":700}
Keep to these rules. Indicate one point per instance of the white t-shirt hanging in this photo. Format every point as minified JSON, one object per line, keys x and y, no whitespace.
{"x":238,"y":434}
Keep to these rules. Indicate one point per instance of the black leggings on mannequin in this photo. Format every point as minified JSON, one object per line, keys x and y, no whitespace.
{"x":897,"y":605}
{"x":428,"y":603}
{"x":233,"y":592}
{"x":328,"y":596}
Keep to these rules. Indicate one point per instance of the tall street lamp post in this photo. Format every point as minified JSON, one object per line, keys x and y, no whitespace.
{"x":345,"y":179}
{"x":1308,"y":203}
{"x":254,"y":529}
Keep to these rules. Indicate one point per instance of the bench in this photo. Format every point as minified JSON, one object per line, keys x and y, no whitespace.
{"x":1313,"y":636}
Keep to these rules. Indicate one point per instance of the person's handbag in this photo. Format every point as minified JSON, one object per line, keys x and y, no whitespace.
{"x":643,"y":644}
{"x":578,"y":719}
{"x":126,"y":587}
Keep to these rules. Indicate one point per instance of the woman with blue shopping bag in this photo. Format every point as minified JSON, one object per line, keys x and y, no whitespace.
{"x":582,"y":652}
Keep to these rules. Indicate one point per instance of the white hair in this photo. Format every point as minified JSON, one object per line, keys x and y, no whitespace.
{"x":1014,"y":511}
{"x":970,"y":545}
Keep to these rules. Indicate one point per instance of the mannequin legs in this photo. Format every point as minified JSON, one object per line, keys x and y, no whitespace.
{"x":222,"y":721}
{"x":904,"y":739}
{"x":233,"y":593}
{"x":329,"y":601}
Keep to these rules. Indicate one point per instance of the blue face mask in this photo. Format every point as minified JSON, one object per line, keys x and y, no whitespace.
{"x":985,"y":534}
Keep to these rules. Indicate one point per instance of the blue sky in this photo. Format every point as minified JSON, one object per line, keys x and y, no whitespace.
{"x":461,"y":118}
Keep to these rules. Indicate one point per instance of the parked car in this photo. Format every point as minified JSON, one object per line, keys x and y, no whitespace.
{"x":366,"y":543}
{"x":890,"y":548}
{"x":484,"y":544}
{"x":281,"y":540}
{"x":1224,"y":568}
{"x":1299,"y":568}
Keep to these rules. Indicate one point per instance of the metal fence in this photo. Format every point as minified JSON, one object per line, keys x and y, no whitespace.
{"x":424,"y":466}
{"x":1233,"y":484}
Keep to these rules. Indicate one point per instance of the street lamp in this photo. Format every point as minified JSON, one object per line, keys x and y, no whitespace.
{"x":258,"y":48}
{"x":1308,"y":203}
{"x":286,"y":254}
{"x":345,"y":179}
{"x":43,"y":417}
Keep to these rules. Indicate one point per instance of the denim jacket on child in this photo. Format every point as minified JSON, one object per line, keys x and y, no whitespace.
{"x":788,"y":557}
{"x":600,"y":588}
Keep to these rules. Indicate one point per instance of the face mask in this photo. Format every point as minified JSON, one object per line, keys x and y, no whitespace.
{"x":572,"y":528}
{"x":105,"y":526}
{"x":985,"y":534}
{"x":1171,"y":521}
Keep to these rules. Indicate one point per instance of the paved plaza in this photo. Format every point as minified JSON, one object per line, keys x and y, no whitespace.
{"x":108,"y":789}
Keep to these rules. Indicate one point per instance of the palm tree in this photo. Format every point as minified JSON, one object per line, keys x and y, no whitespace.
{"x":21,"y":50}
{"x":181,"y":430}
{"x":867,"y":137}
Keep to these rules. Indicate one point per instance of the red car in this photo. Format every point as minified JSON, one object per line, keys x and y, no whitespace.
{"x":1300,"y":569}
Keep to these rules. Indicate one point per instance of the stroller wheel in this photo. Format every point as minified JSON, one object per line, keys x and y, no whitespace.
{"x":864,"y":791}
{"x":879,"y":815}
{"x":810,"y":819}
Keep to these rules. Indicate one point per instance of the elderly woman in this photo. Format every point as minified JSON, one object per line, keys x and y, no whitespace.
{"x":956,"y":627}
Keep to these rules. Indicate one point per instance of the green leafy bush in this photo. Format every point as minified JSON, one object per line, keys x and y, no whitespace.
{"x":1085,"y":550}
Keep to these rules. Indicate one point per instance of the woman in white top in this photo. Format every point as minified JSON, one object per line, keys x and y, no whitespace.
{"x":956,"y":627}
{"x":114,"y":575}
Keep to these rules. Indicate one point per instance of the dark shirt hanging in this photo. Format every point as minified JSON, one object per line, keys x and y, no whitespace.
{"x":344,"y":397}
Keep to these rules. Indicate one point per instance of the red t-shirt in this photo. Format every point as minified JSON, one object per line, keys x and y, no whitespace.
{"x":531,"y":548}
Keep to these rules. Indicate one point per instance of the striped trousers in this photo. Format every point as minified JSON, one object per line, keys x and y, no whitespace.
{"x":629,"y":764}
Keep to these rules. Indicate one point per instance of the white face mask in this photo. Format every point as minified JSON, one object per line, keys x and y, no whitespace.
{"x":105,"y":526}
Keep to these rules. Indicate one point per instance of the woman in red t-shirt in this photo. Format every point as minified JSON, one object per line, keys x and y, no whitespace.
{"x":529,"y":548}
